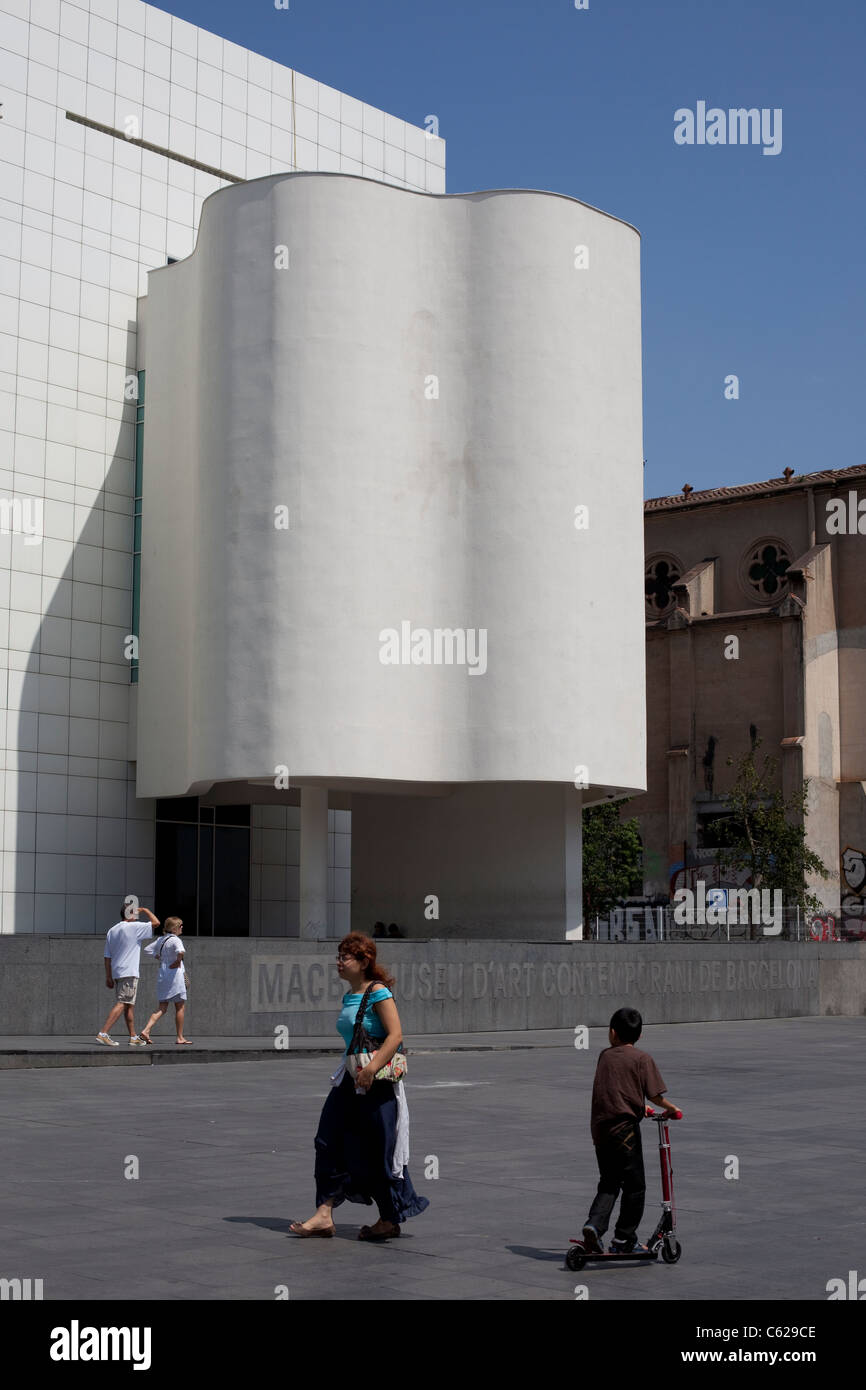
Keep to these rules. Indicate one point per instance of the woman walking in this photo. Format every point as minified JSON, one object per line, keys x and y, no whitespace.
{"x":362,"y":1144}
{"x":171,"y":981}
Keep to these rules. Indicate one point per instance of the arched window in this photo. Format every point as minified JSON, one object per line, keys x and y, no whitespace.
{"x":662,"y":573}
{"x":764,"y":568}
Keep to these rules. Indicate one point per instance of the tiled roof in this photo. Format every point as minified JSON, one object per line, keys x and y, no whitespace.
{"x":772,"y":485}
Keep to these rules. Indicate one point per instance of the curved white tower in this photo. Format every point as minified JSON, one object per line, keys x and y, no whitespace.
{"x":392,"y":519}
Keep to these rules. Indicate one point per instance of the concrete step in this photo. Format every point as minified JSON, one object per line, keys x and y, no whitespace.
{"x":22,"y":1051}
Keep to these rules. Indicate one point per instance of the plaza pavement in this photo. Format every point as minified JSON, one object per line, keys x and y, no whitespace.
{"x":226,"y":1158}
{"x":73,"y":1050}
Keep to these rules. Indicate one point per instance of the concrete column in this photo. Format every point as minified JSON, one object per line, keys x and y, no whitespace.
{"x":573,"y":864}
{"x":314,"y":863}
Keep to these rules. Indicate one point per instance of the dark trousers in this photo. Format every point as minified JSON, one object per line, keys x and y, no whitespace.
{"x":620,"y":1164}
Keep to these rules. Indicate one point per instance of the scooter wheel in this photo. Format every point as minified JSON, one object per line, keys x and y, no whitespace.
{"x":575,"y":1259}
{"x":670,"y":1256}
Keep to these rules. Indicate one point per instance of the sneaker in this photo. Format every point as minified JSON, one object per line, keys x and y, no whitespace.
{"x":591,"y":1240}
{"x":106,"y":1040}
{"x":627,"y":1247}
{"x":137,"y":1041}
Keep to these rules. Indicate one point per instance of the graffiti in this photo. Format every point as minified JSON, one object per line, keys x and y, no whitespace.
{"x":824,"y":929}
{"x":853,"y":882}
{"x":712,"y":874}
{"x":635,"y":922}
{"x":854,"y":869}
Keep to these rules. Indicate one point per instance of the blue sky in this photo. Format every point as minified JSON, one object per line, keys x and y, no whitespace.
{"x":753,"y":264}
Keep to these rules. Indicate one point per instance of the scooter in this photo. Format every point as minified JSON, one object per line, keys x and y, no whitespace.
{"x":663,"y":1237}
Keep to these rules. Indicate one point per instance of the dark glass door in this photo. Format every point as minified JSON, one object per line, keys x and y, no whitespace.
{"x":202,"y":869}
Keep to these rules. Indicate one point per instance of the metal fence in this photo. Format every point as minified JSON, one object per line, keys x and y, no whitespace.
{"x":659,"y":924}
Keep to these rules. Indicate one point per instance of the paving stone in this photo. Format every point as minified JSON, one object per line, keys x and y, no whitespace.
{"x":226,"y":1161}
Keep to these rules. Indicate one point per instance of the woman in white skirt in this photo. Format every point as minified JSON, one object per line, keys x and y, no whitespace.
{"x":171,"y":981}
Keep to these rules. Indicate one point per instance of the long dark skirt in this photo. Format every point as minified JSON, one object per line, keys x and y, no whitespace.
{"x":355,"y":1152}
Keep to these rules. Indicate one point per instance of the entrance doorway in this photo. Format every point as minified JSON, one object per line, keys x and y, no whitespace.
{"x":202,"y":866}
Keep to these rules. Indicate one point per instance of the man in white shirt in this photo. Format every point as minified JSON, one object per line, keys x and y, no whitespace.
{"x":123,"y":944}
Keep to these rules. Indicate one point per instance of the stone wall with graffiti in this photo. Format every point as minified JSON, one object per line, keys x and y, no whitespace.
{"x":708,"y":871}
{"x":844,"y":919}
{"x":852,"y":878}
{"x":662,"y":879}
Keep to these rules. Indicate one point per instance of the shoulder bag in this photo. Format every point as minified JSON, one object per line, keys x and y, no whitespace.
{"x":363,"y":1048}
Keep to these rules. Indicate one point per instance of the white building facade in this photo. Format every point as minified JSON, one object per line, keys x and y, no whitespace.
{"x":118,"y":120}
{"x":391,"y":497}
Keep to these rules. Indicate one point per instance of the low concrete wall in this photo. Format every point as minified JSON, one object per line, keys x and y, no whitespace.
{"x":243,"y":987}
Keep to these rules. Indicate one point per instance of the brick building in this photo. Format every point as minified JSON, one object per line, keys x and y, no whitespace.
{"x":756,"y":628}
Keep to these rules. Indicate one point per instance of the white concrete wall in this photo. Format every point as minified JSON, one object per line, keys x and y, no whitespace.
{"x":305,"y":386}
{"x":83,"y":217}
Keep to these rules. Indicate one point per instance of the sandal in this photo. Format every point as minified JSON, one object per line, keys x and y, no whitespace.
{"x":296,"y":1229}
{"x":367,"y":1233}
{"x":146,"y":1039}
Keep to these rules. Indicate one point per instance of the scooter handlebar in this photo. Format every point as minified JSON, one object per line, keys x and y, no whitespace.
{"x":663,"y":1114}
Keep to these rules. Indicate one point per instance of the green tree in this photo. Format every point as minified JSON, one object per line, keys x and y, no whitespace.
{"x":612,"y":855}
{"x":766,"y":833}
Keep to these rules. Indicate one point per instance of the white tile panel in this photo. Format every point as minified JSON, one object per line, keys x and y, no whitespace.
{"x":72,"y":58}
{"x":259,"y":70}
{"x":130,"y":48}
{"x":234,"y":59}
{"x":306,"y":91}
{"x":209,"y":81}
{"x":328,"y":132}
{"x":14,"y":34}
{"x":43,"y":47}
{"x":157,"y":59}
{"x":44,"y":13}
{"x":258,"y":103}
{"x":210,"y":49}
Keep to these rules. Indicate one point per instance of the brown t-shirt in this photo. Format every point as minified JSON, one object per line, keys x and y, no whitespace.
{"x":623,"y":1077}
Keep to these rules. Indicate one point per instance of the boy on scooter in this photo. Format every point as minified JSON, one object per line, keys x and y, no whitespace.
{"x":624,"y":1079}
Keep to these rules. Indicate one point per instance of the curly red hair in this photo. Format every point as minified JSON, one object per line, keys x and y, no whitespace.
{"x":363,"y":948}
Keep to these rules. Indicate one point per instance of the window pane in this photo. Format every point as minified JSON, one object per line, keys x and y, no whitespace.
{"x":175,"y":873}
{"x":232,"y":882}
{"x":139,"y":454}
{"x":177,"y":808}
{"x":136,"y":592}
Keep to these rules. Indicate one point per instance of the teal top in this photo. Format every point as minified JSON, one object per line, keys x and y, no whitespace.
{"x":372,"y":1021}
